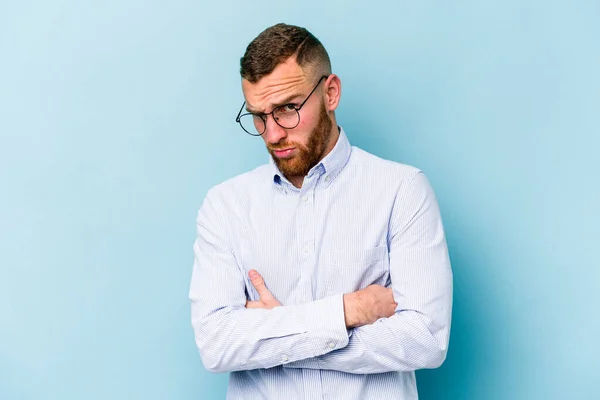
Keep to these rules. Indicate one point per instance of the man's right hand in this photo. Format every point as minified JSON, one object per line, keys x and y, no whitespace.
{"x":367,"y":305}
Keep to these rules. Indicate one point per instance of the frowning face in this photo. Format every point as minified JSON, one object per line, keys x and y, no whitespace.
{"x":295,"y":151}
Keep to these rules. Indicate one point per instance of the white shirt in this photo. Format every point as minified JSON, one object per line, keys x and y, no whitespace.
{"x":357,"y":220}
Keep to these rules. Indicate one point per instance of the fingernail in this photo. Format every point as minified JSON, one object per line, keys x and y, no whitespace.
{"x":253,"y":274}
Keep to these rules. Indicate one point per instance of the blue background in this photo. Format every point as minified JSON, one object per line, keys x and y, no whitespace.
{"x":117,"y":117}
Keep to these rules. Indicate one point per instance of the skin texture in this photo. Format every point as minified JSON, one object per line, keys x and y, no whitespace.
{"x":313,"y":138}
{"x":316,"y":134}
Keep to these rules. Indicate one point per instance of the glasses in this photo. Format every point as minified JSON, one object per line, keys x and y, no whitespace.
{"x":286,"y":116}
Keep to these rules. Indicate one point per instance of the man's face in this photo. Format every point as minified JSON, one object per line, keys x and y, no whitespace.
{"x":308,"y":142}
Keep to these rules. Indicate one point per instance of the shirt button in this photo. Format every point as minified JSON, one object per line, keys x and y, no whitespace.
{"x":327,"y":178}
{"x":306,"y":249}
{"x":305,"y":198}
{"x":331,"y":345}
{"x":284,"y":358}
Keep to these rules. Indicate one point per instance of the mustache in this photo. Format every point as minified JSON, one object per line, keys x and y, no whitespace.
{"x":283,"y":146}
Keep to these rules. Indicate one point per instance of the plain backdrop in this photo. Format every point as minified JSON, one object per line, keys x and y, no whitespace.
{"x":116,"y":117}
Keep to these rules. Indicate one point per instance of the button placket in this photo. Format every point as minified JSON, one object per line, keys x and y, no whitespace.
{"x":305,"y":232}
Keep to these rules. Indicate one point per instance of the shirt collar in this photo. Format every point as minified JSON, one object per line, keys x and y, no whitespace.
{"x":330,"y":165}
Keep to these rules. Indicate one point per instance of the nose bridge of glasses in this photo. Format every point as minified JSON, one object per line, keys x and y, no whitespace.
{"x":272,"y":123}
{"x":282,"y":118}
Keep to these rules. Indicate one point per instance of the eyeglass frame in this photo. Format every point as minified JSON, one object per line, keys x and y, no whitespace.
{"x":264,"y":116}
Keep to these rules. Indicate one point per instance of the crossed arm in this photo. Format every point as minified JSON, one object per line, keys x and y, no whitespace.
{"x":369,"y":331}
{"x":362,"y":307}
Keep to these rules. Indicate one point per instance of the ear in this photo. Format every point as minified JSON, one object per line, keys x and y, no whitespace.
{"x":333,"y":92}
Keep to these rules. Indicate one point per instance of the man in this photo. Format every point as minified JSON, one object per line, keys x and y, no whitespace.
{"x":325,"y":273}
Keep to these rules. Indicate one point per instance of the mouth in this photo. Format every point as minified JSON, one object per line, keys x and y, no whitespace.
{"x":284,"y":153}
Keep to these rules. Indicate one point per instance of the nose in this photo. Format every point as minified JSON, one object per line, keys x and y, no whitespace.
{"x":273,"y":133}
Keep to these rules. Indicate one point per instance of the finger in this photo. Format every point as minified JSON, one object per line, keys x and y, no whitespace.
{"x":392,"y":309}
{"x":259,"y":284}
{"x":391,"y":294}
{"x":255,"y":304}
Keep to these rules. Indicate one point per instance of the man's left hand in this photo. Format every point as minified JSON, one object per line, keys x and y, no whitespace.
{"x":267,"y":300}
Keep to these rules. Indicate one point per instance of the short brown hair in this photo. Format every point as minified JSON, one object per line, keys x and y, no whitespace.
{"x":278,"y":43}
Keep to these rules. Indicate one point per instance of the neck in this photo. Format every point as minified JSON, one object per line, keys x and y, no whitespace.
{"x":297,"y":181}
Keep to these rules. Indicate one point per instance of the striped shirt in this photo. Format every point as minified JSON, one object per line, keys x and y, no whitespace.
{"x":357,"y":220}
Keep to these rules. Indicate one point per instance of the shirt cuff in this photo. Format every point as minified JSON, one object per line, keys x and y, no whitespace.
{"x":326,"y":329}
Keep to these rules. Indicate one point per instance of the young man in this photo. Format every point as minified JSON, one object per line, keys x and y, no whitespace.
{"x":325,"y":273}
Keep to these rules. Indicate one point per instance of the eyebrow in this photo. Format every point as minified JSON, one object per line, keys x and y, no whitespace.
{"x":287,"y":100}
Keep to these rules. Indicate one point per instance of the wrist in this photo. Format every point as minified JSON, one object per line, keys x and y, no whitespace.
{"x":350,"y":310}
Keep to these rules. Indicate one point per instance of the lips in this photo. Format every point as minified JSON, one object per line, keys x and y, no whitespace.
{"x":284,"y":153}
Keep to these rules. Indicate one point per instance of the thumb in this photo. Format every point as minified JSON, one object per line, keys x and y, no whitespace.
{"x":259,"y":284}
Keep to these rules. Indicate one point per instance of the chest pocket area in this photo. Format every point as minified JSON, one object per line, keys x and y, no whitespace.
{"x":350,"y":270}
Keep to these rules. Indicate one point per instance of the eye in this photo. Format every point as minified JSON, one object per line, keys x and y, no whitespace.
{"x":288,"y":108}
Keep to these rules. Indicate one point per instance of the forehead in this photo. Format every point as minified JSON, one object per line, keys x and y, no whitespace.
{"x":287,"y":79}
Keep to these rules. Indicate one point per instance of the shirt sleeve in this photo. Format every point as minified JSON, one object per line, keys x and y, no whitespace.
{"x":231,"y":337}
{"x":417,"y":335}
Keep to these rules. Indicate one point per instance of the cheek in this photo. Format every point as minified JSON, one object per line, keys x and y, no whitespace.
{"x":308,"y":122}
{"x":302,"y":132}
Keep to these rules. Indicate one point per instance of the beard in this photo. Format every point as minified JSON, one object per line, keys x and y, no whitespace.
{"x":307,"y":156}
